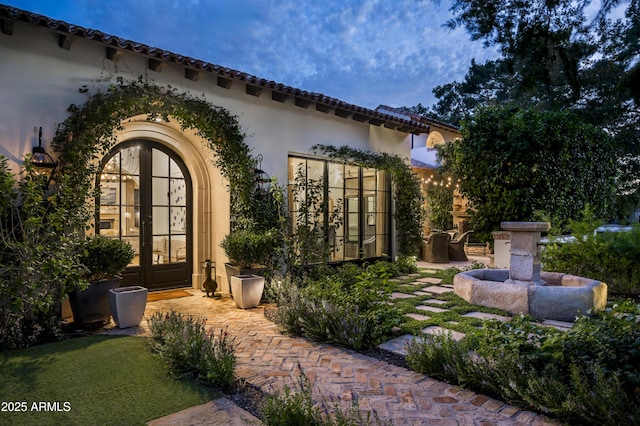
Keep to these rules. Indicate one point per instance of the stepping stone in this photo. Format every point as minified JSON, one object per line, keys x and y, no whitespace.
{"x":406,"y":285}
{"x":429,"y":280}
{"x":418,"y":317}
{"x":435,"y":301}
{"x":398,"y":295}
{"x":435,"y":330}
{"x":421,"y":293}
{"x":431,"y":309}
{"x":486,"y":316}
{"x":398,"y":345}
{"x":560,"y":325}
{"x":437,"y":289}
{"x":453,"y":322}
{"x":447,"y":285}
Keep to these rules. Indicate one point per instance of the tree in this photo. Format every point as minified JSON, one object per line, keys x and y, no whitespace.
{"x":556,"y":55}
{"x":515,"y":163}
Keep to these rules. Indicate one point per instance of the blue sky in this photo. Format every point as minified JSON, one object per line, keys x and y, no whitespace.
{"x":366,"y":52}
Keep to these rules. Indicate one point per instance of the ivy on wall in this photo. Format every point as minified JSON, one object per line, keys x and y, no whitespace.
{"x":409,"y":210}
{"x":89,"y":133}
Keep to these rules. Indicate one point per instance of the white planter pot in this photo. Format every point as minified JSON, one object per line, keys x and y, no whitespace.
{"x":247,"y":290}
{"x":128,"y":305}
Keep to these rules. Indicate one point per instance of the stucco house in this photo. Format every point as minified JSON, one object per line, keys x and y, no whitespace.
{"x":160,"y":188}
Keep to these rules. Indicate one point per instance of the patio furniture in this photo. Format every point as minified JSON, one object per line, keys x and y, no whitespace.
{"x":435,"y":249}
{"x":456,"y":247}
{"x":453,"y":233}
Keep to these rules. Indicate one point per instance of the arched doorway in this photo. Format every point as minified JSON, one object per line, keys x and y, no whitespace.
{"x":146,"y":199}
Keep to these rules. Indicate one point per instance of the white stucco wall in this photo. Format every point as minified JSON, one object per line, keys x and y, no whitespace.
{"x":39,"y":80}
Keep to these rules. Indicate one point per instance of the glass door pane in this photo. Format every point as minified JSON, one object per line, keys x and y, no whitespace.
{"x":169,"y":210}
{"x":120,"y":198}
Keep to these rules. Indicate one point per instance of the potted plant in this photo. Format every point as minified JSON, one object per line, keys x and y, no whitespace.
{"x":104,"y":259}
{"x":249,"y":252}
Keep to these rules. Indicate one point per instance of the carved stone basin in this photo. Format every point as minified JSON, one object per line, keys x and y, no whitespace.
{"x":561,"y":298}
{"x":524,"y":288}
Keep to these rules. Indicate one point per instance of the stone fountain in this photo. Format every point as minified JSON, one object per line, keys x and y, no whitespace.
{"x":524,"y":288}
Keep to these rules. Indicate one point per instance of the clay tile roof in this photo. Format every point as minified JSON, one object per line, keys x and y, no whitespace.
{"x":403,"y":122}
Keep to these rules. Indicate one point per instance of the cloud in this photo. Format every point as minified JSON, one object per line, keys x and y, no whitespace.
{"x":365,"y":52}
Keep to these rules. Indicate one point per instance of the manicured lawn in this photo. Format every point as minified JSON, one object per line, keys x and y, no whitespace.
{"x":97,"y":380}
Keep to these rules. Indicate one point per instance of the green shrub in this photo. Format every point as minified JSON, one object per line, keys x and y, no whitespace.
{"x":247,"y":248}
{"x":354,"y":315}
{"x":406,"y":265}
{"x":188,"y":348}
{"x":610,"y":257}
{"x":589,"y":374}
{"x":105,"y":257}
{"x":39,"y":262}
{"x":296,"y":407}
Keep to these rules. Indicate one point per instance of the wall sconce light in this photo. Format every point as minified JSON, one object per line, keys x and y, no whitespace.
{"x":43,"y":164}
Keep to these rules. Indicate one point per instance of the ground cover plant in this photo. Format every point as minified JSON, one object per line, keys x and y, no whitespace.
{"x":295,"y":406}
{"x":589,"y":374}
{"x":105,"y":380}
{"x":185,"y":344}
{"x":453,"y":318}
{"x":349,"y":305}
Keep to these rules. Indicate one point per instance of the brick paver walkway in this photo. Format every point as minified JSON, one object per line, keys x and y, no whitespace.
{"x":269,"y":360}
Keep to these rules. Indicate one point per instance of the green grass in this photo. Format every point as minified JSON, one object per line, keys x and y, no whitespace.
{"x":452,"y":319}
{"x":106,"y":380}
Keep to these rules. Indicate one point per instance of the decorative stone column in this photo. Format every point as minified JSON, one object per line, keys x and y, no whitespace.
{"x":524,"y":261}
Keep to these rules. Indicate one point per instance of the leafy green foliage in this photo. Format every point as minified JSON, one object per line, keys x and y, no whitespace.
{"x":307,"y":243}
{"x":555,"y":55}
{"x":105,"y":257}
{"x":185,"y":344}
{"x":409,"y":212}
{"x":296,"y":407}
{"x":588,"y":374}
{"x":39,"y":247}
{"x":512,"y":163}
{"x":247,"y":248}
{"x":439,"y":202}
{"x":89,"y":133}
{"x":611,"y":257}
{"x":353,"y":312}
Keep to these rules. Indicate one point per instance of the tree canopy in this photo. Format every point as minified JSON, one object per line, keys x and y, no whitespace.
{"x":582,"y":56}
{"x":517,"y":164}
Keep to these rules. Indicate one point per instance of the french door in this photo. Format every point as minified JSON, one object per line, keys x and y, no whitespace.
{"x":145,"y":199}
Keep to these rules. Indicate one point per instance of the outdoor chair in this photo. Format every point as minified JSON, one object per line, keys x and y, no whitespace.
{"x":452,"y":232}
{"x":435,"y":249}
{"x":456,"y":247}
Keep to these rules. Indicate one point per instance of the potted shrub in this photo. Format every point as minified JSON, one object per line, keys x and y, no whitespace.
{"x":104,"y":259}
{"x":249,"y":252}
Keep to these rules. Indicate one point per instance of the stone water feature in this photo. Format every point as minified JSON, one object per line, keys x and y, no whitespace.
{"x":524,"y":288}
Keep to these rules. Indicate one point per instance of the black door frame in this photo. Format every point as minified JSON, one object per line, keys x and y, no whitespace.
{"x":148,"y":274}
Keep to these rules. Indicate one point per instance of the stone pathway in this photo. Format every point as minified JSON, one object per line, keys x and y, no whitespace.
{"x":271,"y":361}
{"x":398,"y":344}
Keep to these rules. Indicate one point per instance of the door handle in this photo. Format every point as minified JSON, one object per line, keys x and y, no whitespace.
{"x":143,"y":229}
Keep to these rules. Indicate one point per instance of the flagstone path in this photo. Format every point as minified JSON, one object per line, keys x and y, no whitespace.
{"x":398,"y":344}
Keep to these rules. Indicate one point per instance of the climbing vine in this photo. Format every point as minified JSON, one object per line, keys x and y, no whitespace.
{"x":409,"y":212}
{"x":89,"y":133}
